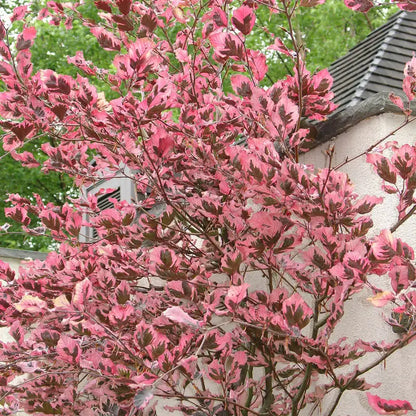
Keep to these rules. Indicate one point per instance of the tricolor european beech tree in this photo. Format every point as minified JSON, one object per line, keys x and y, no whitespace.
{"x":225,"y":302}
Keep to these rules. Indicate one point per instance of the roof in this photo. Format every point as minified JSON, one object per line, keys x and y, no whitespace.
{"x":21,"y":254}
{"x":364,"y":77}
{"x":376,"y":64}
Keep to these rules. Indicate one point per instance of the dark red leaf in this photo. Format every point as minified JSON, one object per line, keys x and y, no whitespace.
{"x":103,"y":5}
{"x":123,"y":23}
{"x":124,"y":6}
{"x":60,"y":111}
{"x":149,"y":21}
{"x":22,"y":129}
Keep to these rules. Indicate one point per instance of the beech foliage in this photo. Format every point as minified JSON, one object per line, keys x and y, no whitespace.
{"x":225,"y":301}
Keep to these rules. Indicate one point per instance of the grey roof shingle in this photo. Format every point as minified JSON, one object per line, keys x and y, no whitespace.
{"x":365,"y":76}
{"x":376,"y":64}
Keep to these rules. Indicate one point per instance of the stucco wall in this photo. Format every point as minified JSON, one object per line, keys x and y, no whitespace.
{"x":361,"y":319}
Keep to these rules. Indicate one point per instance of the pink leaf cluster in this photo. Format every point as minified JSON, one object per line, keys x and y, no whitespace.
{"x":218,"y":289}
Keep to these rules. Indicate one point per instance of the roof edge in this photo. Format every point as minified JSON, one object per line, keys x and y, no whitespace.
{"x":340,"y":122}
{"x":378,"y":58}
{"x":14,"y":253}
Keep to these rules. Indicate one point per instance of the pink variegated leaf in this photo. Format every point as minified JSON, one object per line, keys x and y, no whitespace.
{"x":388,"y":407}
{"x":279,"y":46}
{"x":189,"y":364}
{"x":43,"y":13}
{"x":396,"y":100}
{"x":148,"y":22}
{"x":83,"y":291}
{"x":296,"y":311}
{"x":18,"y":13}
{"x":26,"y":159}
{"x":29,"y":366}
{"x":24,"y":64}
{"x":176,"y":314}
{"x":400,"y":276}
{"x":73,"y":223}
{"x":404,"y":160}
{"x":122,"y":292}
{"x":242,"y":85}
{"x":59,"y":84}
{"x":79,"y":61}
{"x":227,"y":45}
{"x":366,"y":204}
{"x":142,"y":56}
{"x":51,"y":220}
{"x":216,"y":371}
{"x":68,"y":349}
{"x":383,"y":247}
{"x":235,"y":296}
{"x":231,"y":262}
{"x":322,"y":82}
{"x":5,"y":53}
{"x":239,"y":360}
{"x":219,"y":17}
{"x":121,"y":314}
{"x":162,"y":259}
{"x":182,"y":55}
{"x":383,"y":167}
{"x":6,"y":273}
{"x":48,"y":336}
{"x":282,"y":119}
{"x":25,"y":39}
{"x":408,"y":5}
{"x":409,"y":86}
{"x":359,"y":5}
{"x":410,"y":68}
{"x":257,"y":64}
{"x":31,"y":304}
{"x":244,"y":19}
{"x":181,"y":289}
{"x":17,"y":332}
{"x":18,"y":214}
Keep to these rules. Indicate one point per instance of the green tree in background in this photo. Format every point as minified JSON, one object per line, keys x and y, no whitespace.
{"x":328,"y":31}
{"x":53,"y":45}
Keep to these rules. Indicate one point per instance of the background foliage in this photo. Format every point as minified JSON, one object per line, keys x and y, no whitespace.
{"x":327,"y":32}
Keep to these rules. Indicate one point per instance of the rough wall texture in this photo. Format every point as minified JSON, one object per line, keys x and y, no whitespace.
{"x":361,"y":319}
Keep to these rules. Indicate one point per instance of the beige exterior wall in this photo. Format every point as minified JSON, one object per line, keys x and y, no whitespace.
{"x":361,"y":319}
